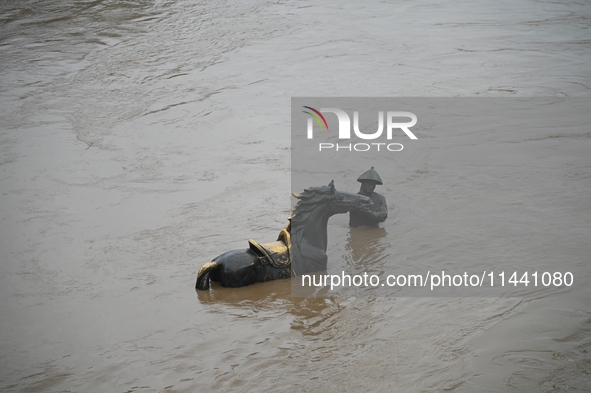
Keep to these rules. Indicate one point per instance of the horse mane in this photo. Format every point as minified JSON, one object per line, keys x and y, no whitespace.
{"x":308,"y":201}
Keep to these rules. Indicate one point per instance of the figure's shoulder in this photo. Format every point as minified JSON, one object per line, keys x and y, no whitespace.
{"x":380,"y":196}
{"x":378,"y":199}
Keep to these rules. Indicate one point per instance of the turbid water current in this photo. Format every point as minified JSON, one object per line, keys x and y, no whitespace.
{"x":139,"y":139}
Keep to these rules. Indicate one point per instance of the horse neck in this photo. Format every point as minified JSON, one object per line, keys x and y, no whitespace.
{"x":315,"y":226}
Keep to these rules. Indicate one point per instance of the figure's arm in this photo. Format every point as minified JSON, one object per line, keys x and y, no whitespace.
{"x":381,"y":211}
{"x":378,"y":213}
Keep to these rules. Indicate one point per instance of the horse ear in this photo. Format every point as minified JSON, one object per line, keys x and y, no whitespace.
{"x":331,"y":185}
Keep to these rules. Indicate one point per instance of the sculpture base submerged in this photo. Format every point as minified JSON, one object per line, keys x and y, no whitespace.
{"x":259,"y":263}
{"x":273,"y":261}
{"x":239,"y":268}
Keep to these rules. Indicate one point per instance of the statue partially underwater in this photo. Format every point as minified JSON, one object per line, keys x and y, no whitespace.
{"x":300,"y":246}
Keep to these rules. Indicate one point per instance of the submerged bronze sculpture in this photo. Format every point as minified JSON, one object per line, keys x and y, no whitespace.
{"x":378,"y":211}
{"x":300,"y":246}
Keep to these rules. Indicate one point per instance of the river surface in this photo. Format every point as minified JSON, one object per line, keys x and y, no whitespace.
{"x":140,"y":139}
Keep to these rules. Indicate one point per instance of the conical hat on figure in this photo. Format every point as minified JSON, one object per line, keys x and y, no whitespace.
{"x":370,"y":175}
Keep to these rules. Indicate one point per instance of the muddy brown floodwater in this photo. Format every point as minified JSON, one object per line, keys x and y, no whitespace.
{"x":139,"y":139}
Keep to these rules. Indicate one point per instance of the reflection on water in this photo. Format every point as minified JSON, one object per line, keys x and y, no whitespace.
{"x":367,"y":247}
{"x":273,"y":298}
{"x":139,"y":139}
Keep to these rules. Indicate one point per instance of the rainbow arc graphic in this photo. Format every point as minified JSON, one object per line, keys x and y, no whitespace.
{"x":316,"y":115}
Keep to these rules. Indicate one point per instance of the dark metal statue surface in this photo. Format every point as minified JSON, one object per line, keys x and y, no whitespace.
{"x":378,"y":212}
{"x":299,"y":249}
